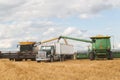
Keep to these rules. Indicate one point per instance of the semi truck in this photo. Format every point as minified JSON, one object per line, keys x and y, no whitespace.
{"x":57,"y":51}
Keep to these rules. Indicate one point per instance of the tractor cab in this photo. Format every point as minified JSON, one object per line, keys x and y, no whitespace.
{"x":26,"y":46}
{"x":101,"y":43}
{"x":101,"y":48}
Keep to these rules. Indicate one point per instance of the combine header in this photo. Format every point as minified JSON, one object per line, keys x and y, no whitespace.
{"x":27,"y":51}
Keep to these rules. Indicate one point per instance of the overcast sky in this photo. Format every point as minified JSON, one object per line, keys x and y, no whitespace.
{"x":36,"y":20}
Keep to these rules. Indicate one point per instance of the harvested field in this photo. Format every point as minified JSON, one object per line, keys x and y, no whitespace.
{"x":67,"y":70}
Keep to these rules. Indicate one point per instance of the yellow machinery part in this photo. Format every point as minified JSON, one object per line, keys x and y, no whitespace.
{"x":57,"y":38}
{"x":49,"y":40}
{"x":100,"y":36}
{"x":26,"y":43}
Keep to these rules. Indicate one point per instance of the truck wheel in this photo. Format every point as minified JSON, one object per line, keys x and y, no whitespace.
{"x":110,"y":56}
{"x":92,"y":56}
{"x":51,"y":59}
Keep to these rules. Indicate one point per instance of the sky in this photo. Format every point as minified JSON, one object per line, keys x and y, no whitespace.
{"x":37,"y":20}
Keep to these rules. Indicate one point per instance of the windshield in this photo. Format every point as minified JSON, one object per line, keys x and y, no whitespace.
{"x":46,"y":48}
{"x":26,"y":47}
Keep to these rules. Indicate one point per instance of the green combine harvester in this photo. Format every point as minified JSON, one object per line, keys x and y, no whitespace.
{"x":101,"y":46}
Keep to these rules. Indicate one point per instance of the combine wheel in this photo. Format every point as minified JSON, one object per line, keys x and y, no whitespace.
{"x":92,"y":56}
{"x":110,"y":56}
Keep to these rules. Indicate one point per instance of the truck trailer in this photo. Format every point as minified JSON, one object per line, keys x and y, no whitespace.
{"x":57,"y":51}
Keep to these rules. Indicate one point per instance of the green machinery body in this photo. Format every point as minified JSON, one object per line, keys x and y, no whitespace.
{"x":101,"y":46}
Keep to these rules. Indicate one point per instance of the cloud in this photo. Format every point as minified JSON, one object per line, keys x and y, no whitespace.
{"x":73,"y":31}
{"x":6,"y":43}
{"x":22,"y":20}
{"x":22,"y":31}
{"x":8,"y":7}
{"x":69,"y":31}
{"x":77,"y":33}
{"x":31,"y":9}
{"x":49,"y":31}
{"x":89,"y":15}
{"x":10,"y":35}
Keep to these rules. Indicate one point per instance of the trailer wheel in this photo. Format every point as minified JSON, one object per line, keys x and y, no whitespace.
{"x":62,"y":58}
{"x":25,"y":59}
{"x":110,"y":56}
{"x":32,"y":59}
{"x":11,"y":59}
{"x":38,"y":61}
{"x":18,"y":59}
{"x":92,"y":56}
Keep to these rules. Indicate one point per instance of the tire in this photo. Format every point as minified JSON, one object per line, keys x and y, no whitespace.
{"x":16,"y":59}
{"x":62,"y":58}
{"x":38,"y":61}
{"x":11,"y":59}
{"x":25,"y":59}
{"x":110,"y":56}
{"x":92,"y":56}
{"x":51,"y":59}
{"x":32,"y":59}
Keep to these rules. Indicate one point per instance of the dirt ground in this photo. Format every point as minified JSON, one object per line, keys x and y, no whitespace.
{"x":67,"y":70}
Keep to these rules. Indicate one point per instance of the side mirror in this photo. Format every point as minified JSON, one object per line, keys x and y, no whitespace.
{"x":17,"y":46}
{"x":35,"y":46}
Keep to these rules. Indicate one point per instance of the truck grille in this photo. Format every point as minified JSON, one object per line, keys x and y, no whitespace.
{"x":42,"y":54}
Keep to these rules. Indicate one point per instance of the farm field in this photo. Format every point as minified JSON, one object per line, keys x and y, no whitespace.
{"x":67,"y":70}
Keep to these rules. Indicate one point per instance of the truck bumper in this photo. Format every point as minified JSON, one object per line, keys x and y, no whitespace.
{"x":42,"y":59}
